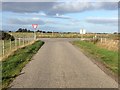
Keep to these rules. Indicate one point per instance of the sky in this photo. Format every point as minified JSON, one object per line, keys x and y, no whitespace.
{"x":65,"y":16}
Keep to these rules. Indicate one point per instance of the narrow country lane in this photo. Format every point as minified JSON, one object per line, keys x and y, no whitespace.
{"x":58,"y":64}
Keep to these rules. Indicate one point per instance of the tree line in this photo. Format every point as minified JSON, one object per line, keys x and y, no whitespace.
{"x":26,"y":30}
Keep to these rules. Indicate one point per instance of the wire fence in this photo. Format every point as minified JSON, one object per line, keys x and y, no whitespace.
{"x":109,"y":44}
{"x":21,"y":40}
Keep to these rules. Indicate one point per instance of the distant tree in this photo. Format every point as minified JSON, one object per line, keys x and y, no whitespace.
{"x":25,"y":30}
{"x":44,"y":31}
{"x":38,"y":31}
{"x":68,"y":32}
{"x":19,"y":30}
{"x":9,"y":31}
{"x":49,"y":32}
{"x":115,"y":33}
{"x":22,"y":30}
{"x":29,"y":31}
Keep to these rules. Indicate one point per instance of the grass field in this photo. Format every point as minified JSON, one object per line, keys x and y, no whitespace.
{"x":12,"y":66}
{"x":62,"y":35}
{"x":22,"y":34}
{"x":75,"y":35}
{"x":107,"y":57}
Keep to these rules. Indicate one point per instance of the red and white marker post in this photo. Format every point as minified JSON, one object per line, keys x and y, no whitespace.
{"x":34,"y":26}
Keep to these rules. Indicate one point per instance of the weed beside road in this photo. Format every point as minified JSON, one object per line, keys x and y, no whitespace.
{"x":13,"y":65}
{"x":107,"y":57}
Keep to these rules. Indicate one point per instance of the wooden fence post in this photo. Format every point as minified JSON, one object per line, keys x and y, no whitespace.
{"x":15,"y":43}
{"x":10,"y":45}
{"x":105,"y":39}
{"x":101,"y":40}
{"x":3,"y":48}
{"x":19,"y":41}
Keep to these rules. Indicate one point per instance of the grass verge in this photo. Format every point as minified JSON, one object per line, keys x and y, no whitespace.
{"x":107,"y":57}
{"x":13,"y":65}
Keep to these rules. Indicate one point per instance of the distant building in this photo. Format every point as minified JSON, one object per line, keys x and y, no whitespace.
{"x":82,"y":31}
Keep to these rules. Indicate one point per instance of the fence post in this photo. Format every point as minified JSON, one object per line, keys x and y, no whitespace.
{"x":27,"y":41}
{"x":23,"y":42}
{"x":3,"y":49}
{"x":101,"y":40}
{"x":105,"y":39}
{"x":10,"y":44}
{"x":15,"y":43}
{"x":52,"y":33}
{"x":19,"y":41}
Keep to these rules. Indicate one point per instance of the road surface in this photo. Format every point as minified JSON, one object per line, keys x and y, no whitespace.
{"x":58,"y":64}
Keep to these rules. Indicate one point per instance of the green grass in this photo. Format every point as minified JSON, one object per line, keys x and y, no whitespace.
{"x":13,"y":65}
{"x":109,"y":58}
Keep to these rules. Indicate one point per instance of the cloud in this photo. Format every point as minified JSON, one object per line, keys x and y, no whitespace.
{"x":70,"y":7}
{"x":53,"y":8}
{"x":61,"y":16}
{"x":99,"y":20}
{"x":27,"y":7}
{"x":76,"y":7}
{"x":26,"y":21}
{"x":106,"y":5}
{"x":36,"y":14}
{"x":29,"y":21}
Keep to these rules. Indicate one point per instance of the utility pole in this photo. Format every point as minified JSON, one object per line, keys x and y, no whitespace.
{"x":34,"y":35}
{"x":19,"y":41}
{"x":15,"y":43}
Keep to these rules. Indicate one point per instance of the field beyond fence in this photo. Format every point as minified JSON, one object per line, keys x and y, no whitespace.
{"x":109,"y":44}
{"x":109,"y":41}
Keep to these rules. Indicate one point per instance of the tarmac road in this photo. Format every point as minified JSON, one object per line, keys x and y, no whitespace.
{"x":58,"y":64}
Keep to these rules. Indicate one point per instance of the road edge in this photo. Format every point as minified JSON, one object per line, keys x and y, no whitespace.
{"x":98,"y":63}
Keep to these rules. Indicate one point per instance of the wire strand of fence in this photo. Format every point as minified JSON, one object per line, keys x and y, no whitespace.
{"x":9,"y":46}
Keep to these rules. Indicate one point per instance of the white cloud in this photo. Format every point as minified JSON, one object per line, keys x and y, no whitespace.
{"x":69,"y":6}
{"x":75,"y":7}
{"x":34,"y":20}
{"x":28,"y":21}
{"x":27,"y":7}
{"x":53,"y":8}
{"x":102,"y":20}
{"x":61,"y":16}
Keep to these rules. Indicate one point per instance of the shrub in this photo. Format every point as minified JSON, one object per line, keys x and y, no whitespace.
{"x":6,"y":36}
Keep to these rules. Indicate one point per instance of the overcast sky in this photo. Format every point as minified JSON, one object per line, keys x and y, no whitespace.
{"x":61,"y":16}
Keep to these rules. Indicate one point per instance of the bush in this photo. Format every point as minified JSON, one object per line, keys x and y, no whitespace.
{"x":6,"y":36}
